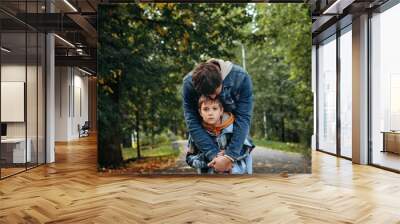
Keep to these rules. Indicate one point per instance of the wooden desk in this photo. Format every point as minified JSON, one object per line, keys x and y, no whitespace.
{"x":13,"y":150}
{"x":391,"y":141}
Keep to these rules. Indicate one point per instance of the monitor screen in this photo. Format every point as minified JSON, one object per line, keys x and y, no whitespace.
{"x":3,"y":129}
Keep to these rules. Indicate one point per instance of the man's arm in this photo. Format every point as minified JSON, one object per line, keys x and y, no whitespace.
{"x":201,"y":139}
{"x":243,"y":113}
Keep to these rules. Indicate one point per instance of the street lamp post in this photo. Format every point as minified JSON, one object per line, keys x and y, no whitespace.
{"x":243,"y":56}
{"x":243,"y":53}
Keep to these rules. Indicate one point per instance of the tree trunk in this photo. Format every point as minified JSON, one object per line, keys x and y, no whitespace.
{"x":175,"y":125}
{"x":152,"y":122}
{"x":152,"y":137}
{"x":109,"y":136}
{"x":137,"y":134}
{"x":283,"y":129}
{"x":282,"y":123}
{"x":127,"y":141}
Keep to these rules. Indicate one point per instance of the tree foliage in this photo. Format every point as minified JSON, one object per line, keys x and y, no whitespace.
{"x":280,"y":63}
{"x":145,"y":50}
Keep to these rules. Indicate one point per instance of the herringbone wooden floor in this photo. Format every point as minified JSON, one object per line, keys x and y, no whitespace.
{"x":72,"y":191}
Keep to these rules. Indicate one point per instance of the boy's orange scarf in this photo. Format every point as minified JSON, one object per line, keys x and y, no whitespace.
{"x":218,"y":128}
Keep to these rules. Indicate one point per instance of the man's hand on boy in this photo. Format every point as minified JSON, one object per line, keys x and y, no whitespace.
{"x":221,"y":164}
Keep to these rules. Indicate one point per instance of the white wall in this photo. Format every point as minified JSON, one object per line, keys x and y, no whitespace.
{"x":71,"y":94}
{"x":34,"y":125}
{"x":13,"y":73}
{"x":80,"y":110}
{"x":16,"y":72}
{"x":61,"y":103}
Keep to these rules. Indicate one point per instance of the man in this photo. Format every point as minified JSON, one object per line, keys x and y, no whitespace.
{"x":233,"y":86}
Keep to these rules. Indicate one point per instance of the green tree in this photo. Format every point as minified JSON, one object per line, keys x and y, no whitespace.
{"x":279,"y":59}
{"x":144,"y":52}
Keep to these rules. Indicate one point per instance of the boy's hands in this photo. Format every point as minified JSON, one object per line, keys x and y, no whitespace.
{"x":221,"y":163}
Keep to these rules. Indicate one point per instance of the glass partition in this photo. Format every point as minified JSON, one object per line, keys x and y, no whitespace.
{"x":41,"y":88}
{"x":327,"y":95}
{"x":13,"y":95}
{"x":346,"y":92}
{"x":22,"y":87}
{"x":31,"y":100}
{"x":385,"y":88}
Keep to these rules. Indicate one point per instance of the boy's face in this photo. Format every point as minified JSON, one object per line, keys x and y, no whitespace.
{"x":211,"y":112}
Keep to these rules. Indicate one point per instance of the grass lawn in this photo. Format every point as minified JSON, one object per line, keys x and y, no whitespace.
{"x":283,"y":146}
{"x":161,"y":150}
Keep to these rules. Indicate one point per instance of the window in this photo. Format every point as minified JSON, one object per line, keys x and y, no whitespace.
{"x":346,"y":92}
{"x":385,"y":88}
{"x":327,"y":95}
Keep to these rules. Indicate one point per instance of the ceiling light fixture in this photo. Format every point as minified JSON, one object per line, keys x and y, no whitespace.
{"x":337,"y":7}
{"x":84,"y":71}
{"x":5,"y":50}
{"x":70,"y":5}
{"x":64,"y":40}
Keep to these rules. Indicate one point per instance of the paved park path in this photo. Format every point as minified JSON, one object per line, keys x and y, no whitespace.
{"x":265,"y":160}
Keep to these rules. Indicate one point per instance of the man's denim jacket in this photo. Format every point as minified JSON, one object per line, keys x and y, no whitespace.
{"x":222,"y":141}
{"x":236,"y":97}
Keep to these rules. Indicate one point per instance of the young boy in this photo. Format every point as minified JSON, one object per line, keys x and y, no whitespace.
{"x":219,"y":125}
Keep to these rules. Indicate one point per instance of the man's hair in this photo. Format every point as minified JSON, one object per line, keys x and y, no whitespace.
{"x":205,"y":99}
{"x":206,"y":78}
